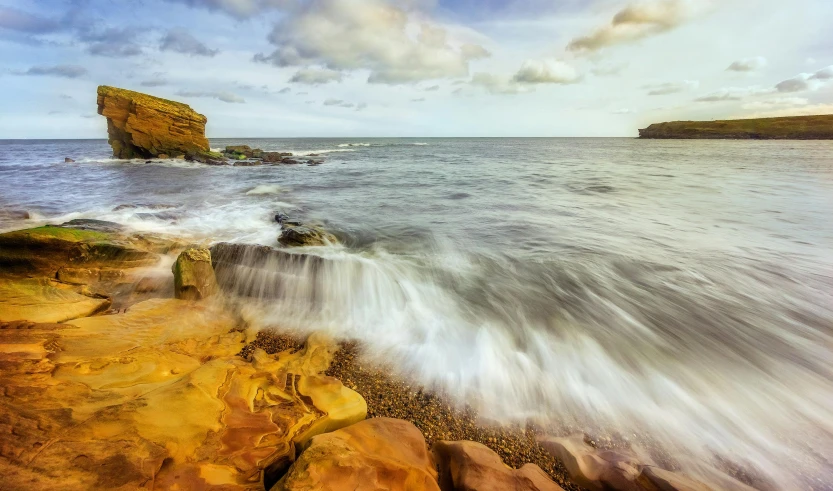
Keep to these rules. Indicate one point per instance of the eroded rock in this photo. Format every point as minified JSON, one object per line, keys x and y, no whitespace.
{"x":44,"y":300}
{"x":193,"y":274}
{"x":156,"y":397}
{"x":375,"y":454}
{"x":144,"y":126}
{"x":305,"y":235}
{"x":471,"y":466}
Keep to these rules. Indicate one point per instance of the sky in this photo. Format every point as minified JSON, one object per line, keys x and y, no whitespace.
{"x":422,"y":68}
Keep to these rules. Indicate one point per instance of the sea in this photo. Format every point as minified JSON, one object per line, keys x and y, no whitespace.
{"x":671,"y":294}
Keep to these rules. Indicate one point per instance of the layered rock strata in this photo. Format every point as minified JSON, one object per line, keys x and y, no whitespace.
{"x":143,"y":126}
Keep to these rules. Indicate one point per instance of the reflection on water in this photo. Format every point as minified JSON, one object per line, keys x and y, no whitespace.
{"x":680,"y":292}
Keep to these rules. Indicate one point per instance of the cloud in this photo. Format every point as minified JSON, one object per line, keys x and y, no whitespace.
{"x":112,"y":42}
{"x":285,"y":90}
{"x":543,"y":72}
{"x":221,"y":96}
{"x":338,"y":103}
{"x":672,"y":87}
{"x":608,"y":70}
{"x":806,"y":81}
{"x":639,"y":20}
{"x":181,"y":41}
{"x":732,"y":94}
{"x":777,"y":102}
{"x":623,"y":111}
{"x":748,"y":64}
{"x":18,"y":20}
{"x":240,"y":9}
{"x":433,"y":88}
{"x":316,"y":76}
{"x":393,"y":41}
{"x":66,"y":71}
{"x":823,"y":74}
{"x":361,"y":106}
{"x":418,"y":99}
{"x":494,"y":84}
{"x":154,"y":82}
{"x":799,"y":110}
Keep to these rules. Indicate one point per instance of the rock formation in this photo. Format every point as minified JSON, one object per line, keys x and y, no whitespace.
{"x":143,"y":126}
{"x":305,"y":235}
{"x":466,"y":466}
{"x":193,"y":275}
{"x":375,"y":454}
{"x":789,"y":128}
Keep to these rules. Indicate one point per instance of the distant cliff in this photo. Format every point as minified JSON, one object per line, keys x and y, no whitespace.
{"x":790,"y":128}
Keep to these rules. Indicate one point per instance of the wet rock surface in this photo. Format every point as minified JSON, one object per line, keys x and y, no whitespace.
{"x":471,"y":466}
{"x":375,"y":454}
{"x":194,"y":277}
{"x":305,"y":235}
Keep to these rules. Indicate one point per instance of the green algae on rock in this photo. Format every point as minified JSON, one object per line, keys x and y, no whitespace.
{"x":787,"y":128}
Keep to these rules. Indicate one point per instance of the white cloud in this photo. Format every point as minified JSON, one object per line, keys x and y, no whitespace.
{"x":748,"y":64}
{"x":672,"y":87}
{"x":181,"y":41}
{"x":639,"y":20}
{"x":733,"y":94}
{"x":800,"y":110}
{"x":220,"y":96}
{"x":806,"y":81}
{"x":316,"y":76}
{"x":546,"y":72}
{"x":240,"y":9}
{"x":394,"y":43}
{"x":494,"y":84}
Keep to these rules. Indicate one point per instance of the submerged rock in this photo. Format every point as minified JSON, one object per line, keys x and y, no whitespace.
{"x":68,"y":160}
{"x":471,"y":466}
{"x":375,"y":454}
{"x":193,"y":275}
{"x":305,"y":235}
{"x":144,"y":126}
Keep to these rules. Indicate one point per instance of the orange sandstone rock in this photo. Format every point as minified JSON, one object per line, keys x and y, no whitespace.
{"x":143,"y":126}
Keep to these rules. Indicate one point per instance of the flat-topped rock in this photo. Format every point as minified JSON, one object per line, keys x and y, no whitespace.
{"x":143,"y":126}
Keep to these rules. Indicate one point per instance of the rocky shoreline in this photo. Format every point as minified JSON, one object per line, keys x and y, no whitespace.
{"x":124,"y":363}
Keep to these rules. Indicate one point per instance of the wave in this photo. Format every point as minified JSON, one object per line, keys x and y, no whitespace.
{"x":265,"y":189}
{"x":354,"y":144}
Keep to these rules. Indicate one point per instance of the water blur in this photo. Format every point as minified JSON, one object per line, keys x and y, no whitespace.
{"x":666,"y":291}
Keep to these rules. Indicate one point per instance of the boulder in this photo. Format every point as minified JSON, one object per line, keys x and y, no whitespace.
{"x":375,"y":454}
{"x":471,"y":466}
{"x":144,"y":126}
{"x":68,"y":160}
{"x":622,"y":470}
{"x":193,"y":274}
{"x":274,"y":157}
{"x":305,"y":235}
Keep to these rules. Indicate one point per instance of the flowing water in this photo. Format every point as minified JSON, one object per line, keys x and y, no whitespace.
{"x":680,"y":291}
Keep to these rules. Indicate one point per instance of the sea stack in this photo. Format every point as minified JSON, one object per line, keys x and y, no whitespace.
{"x":144,"y":126}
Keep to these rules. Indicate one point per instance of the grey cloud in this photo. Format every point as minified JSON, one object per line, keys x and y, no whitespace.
{"x":361,"y":106}
{"x":221,"y":96}
{"x":608,"y":70}
{"x":66,"y":71}
{"x":419,"y":99}
{"x":180,"y":40}
{"x":154,"y":82}
{"x":285,"y":90}
{"x":370,"y":35}
{"x":333,"y":102}
{"x":824,"y":74}
{"x":316,"y":76}
{"x":639,"y":20}
{"x":748,"y":64}
{"x":240,"y":9}
{"x":112,"y":42}
{"x":494,"y":84}
{"x":796,"y":84}
{"x":541,"y":72}
{"x":433,"y":88}
{"x":672,"y":87}
{"x":301,"y":93}
{"x":18,"y":20}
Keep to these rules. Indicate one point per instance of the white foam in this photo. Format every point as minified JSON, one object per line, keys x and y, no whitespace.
{"x":265,"y":189}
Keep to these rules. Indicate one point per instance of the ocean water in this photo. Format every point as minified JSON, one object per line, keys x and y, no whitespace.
{"x":676,"y":294}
